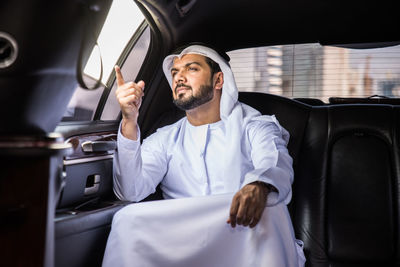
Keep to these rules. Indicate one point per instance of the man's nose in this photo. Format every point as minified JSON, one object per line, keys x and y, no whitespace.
{"x":180,"y":77}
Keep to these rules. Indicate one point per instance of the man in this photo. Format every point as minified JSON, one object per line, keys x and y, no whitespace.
{"x":221,"y":147}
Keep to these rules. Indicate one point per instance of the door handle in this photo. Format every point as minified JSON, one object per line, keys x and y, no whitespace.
{"x":99,"y":146}
{"x":92,"y":184}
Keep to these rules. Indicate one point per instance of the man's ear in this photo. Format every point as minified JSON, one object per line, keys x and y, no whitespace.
{"x":218,"y":80}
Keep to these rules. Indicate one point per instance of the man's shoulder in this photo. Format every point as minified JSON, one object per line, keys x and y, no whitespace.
{"x":171,"y":127}
{"x":262,"y":121}
{"x":167,"y":131}
{"x":163,"y":135}
{"x":266,"y":125}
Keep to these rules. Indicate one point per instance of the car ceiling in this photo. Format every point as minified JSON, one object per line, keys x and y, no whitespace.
{"x":233,"y":24}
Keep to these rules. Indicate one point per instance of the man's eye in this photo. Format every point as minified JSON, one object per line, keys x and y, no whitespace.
{"x":193,"y":69}
{"x":173,"y":73}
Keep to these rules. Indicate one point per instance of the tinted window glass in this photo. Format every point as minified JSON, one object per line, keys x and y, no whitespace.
{"x":130,"y":70}
{"x":315,"y":71}
{"x":83,"y":103}
{"x":122,"y":21}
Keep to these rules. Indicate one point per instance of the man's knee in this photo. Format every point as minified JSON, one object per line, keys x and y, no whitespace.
{"x":122,"y":216}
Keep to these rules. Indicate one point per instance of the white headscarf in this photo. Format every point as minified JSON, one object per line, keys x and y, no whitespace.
{"x":229,"y":91}
{"x":234,"y":114}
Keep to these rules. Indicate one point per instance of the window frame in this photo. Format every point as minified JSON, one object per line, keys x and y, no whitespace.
{"x":96,"y":125}
{"x":111,"y":79}
{"x":121,"y":60}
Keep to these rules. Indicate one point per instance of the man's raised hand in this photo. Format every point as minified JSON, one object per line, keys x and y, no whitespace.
{"x":129,"y":96}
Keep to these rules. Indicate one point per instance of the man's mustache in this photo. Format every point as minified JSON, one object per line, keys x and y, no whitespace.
{"x":182,"y":85}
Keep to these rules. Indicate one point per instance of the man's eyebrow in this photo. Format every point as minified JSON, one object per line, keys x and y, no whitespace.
{"x":188,"y":64}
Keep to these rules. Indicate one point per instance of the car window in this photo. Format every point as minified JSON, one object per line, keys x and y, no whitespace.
{"x":130,"y":69}
{"x":316,"y":71}
{"x":123,"y":20}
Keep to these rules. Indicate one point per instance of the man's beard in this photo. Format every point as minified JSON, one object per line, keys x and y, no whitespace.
{"x":206,"y":93}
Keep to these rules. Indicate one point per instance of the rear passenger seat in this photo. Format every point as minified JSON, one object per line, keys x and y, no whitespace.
{"x":345,"y":204}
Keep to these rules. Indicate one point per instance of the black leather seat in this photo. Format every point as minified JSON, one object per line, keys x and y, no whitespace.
{"x":345,"y":204}
{"x":347,"y":187}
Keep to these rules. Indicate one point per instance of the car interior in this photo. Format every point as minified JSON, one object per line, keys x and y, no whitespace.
{"x":57,"y":145}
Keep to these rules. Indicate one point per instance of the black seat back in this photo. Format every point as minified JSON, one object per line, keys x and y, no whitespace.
{"x":345,"y":204}
{"x":347,"y":189}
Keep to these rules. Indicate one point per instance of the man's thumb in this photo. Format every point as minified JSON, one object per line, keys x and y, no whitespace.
{"x":141,"y":84}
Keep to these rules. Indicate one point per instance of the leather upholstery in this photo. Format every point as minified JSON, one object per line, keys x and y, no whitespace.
{"x":345,"y":203}
{"x":352,"y":216}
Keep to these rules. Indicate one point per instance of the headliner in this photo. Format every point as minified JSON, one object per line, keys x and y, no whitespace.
{"x":233,"y":24}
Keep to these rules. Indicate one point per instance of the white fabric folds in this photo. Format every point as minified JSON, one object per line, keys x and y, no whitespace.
{"x":192,"y":232}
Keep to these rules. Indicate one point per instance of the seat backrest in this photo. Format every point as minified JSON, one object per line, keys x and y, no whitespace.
{"x":364,"y":100}
{"x":345,"y":204}
{"x":347,"y":190}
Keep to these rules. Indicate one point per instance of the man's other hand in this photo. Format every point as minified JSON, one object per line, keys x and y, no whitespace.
{"x":248,"y":205}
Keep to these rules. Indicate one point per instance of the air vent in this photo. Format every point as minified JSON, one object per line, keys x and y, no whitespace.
{"x":8,"y":50}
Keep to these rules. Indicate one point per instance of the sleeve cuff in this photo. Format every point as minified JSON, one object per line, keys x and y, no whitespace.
{"x":126,"y":143}
{"x":273,"y":197}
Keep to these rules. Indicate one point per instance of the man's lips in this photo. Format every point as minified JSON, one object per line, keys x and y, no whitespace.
{"x":180,"y":89}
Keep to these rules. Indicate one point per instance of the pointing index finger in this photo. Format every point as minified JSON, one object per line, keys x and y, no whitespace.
{"x":118,"y":75}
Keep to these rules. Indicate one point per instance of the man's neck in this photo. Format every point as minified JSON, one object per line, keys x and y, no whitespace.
{"x":206,"y":113}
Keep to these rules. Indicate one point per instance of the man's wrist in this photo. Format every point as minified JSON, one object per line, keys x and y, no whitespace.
{"x":267,"y":187}
{"x":129,"y":129}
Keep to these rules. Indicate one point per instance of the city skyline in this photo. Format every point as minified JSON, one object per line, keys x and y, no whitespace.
{"x":312,"y":70}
